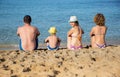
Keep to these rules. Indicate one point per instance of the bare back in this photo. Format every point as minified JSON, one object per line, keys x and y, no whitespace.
{"x":53,"y":41}
{"x":75,"y":41}
{"x":74,"y":37}
{"x":99,"y":34}
{"x":28,"y":35}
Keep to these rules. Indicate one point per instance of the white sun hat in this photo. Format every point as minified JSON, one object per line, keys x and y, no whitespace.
{"x":73,"y":19}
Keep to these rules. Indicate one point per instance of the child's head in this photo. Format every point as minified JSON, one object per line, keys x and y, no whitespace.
{"x":73,"y":21}
{"x":52,"y":30}
{"x":99,"y":19}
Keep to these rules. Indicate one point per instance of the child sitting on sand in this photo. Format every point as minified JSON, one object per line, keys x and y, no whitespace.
{"x":98,"y":32}
{"x":74,"y":37}
{"x":53,"y":42}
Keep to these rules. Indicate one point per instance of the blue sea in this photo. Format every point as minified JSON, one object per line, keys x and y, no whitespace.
{"x":47,"y":13}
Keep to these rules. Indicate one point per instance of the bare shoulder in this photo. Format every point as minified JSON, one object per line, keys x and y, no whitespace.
{"x":34,"y":27}
{"x":104,"y":27}
{"x":71,"y":30}
{"x":48,"y":38}
{"x":93,"y":28}
{"x":20,"y":27}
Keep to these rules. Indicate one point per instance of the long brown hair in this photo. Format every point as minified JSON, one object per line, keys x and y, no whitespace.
{"x":78,"y":25}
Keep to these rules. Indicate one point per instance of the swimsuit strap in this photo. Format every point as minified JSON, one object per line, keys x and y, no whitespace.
{"x":100,"y":32}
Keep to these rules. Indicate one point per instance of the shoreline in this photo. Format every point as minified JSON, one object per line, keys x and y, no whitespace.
{"x":41,"y":46}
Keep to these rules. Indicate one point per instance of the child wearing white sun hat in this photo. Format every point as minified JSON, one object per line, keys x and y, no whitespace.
{"x":74,"y":36}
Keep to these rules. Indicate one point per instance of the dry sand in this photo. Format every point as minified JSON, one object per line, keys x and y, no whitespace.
{"x":62,"y":63}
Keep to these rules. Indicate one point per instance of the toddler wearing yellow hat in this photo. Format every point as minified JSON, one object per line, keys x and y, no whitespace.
{"x":53,"y":42}
{"x":52,"y":30}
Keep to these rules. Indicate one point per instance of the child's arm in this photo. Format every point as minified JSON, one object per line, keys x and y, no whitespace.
{"x":82,"y":31}
{"x":59,"y":40}
{"x":106,"y":30}
{"x":46,"y":40}
{"x":92,"y":32}
{"x":70,"y":32}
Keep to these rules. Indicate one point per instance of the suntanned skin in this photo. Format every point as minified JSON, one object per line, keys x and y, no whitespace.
{"x":74,"y":41}
{"x":28,"y":35}
{"x":53,"y":41}
{"x":99,"y":35}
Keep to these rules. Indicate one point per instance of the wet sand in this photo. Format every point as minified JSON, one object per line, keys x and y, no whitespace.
{"x":86,"y":62}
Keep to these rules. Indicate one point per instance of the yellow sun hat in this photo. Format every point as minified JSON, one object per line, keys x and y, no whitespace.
{"x":52,"y":30}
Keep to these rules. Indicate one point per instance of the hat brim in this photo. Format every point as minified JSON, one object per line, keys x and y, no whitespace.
{"x":72,"y":21}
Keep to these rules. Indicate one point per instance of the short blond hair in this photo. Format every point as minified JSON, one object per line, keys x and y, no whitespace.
{"x":99,"y":19}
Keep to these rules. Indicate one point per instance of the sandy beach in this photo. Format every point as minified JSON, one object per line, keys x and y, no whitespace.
{"x":86,"y":62}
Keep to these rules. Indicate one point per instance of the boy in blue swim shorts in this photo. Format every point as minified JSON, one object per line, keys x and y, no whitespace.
{"x":53,"y":42}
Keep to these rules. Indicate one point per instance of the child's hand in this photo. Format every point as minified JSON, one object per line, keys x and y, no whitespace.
{"x":46,"y":41}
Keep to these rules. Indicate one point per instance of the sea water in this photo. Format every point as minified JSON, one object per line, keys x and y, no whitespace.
{"x":47,"y":13}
